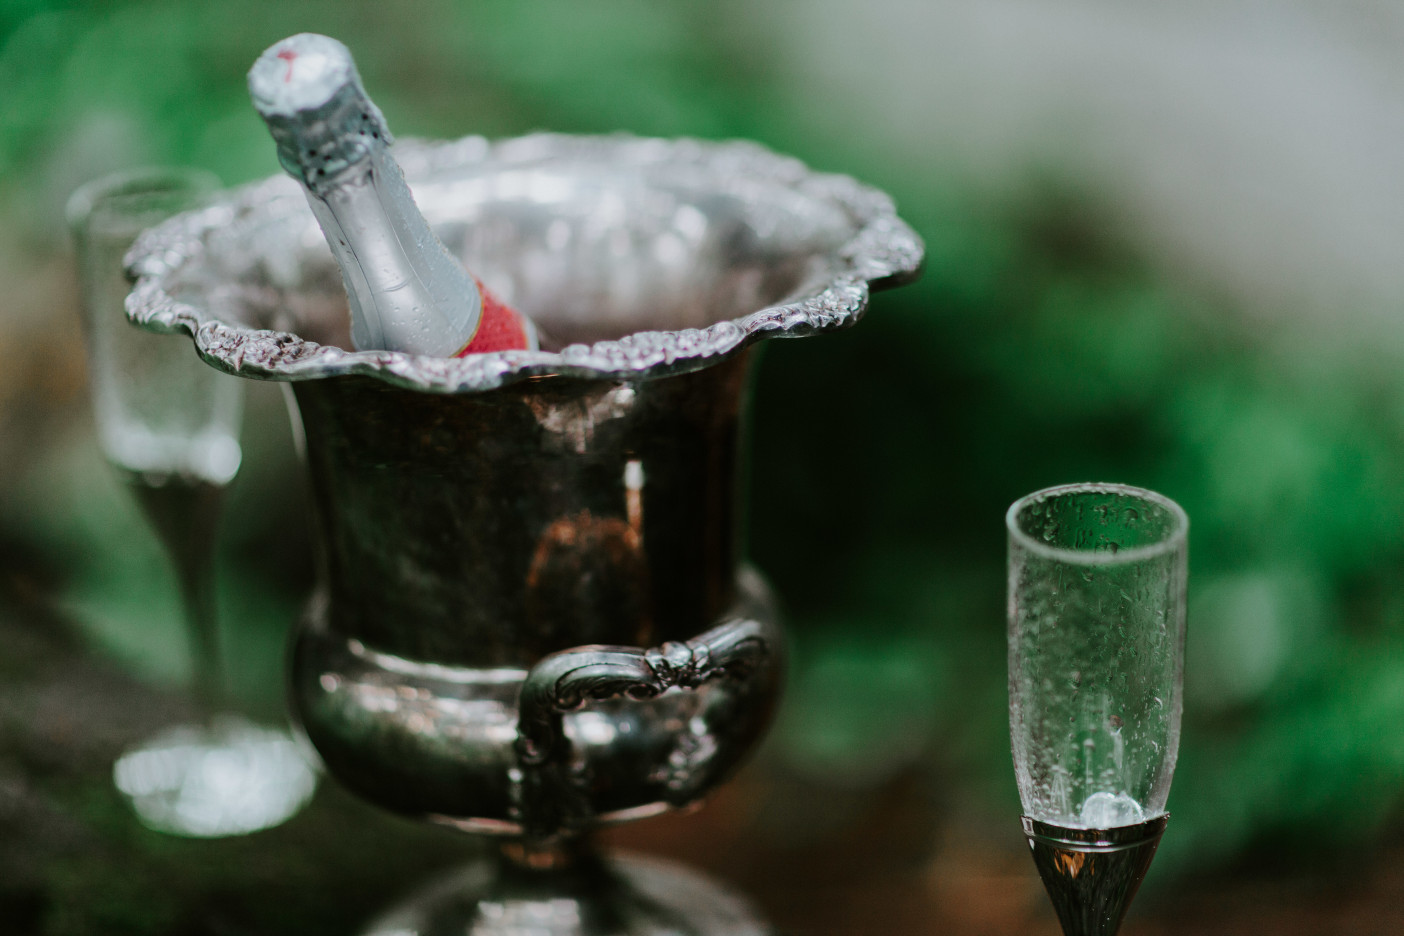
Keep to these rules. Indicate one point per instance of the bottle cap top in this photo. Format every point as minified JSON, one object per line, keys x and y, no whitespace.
{"x":300,"y":73}
{"x":308,"y":91}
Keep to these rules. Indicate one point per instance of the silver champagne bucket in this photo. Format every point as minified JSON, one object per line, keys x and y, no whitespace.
{"x":534,"y":614}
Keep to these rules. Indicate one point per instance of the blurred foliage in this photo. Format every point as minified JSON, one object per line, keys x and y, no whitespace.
{"x":1037,"y":349}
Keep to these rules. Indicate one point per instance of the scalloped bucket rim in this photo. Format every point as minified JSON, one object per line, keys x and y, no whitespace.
{"x":884,"y":252}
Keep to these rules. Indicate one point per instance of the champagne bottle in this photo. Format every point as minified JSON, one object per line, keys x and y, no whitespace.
{"x":407,"y":292}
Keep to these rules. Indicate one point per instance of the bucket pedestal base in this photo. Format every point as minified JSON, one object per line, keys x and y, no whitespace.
{"x":585,"y":896}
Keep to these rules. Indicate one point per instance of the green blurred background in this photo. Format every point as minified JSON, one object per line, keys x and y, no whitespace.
{"x":1160,"y":251}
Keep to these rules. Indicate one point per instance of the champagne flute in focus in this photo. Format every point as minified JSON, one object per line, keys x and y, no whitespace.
{"x":169,"y":424}
{"x":1097,"y":577}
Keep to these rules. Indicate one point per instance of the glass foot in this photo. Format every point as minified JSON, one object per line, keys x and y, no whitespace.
{"x":229,"y":777}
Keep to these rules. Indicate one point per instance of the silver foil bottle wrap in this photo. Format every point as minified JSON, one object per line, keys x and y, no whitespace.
{"x":407,"y":292}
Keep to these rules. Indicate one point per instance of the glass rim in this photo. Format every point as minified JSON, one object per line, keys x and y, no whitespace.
{"x":1173,"y":539}
{"x":85,"y":199}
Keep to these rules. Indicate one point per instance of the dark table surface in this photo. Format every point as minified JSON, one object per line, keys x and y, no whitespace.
{"x":74,"y":861}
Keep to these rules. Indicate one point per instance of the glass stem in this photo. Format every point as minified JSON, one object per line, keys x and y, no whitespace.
{"x":185,"y":514}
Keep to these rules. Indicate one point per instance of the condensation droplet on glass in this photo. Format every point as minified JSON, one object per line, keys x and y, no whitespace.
{"x":1110,"y":810}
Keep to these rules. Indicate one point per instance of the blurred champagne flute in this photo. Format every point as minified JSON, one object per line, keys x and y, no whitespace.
{"x":1097,"y":576}
{"x":170,"y":424}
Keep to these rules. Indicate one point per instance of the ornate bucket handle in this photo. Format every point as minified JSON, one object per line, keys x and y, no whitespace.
{"x":566,"y":681}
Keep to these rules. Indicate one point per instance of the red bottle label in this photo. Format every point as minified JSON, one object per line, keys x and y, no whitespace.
{"x":500,"y":327}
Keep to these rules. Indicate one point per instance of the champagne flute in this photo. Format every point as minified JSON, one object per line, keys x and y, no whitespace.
{"x":169,"y":425}
{"x":1097,"y":576}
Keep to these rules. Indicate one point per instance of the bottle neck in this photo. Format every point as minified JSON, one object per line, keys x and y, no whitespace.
{"x":319,"y":145}
{"x":407,"y":293}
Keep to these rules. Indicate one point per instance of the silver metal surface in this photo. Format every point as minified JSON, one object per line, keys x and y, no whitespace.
{"x":468,"y":536}
{"x":1092,"y":875}
{"x":620,"y":896}
{"x":505,"y":536}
